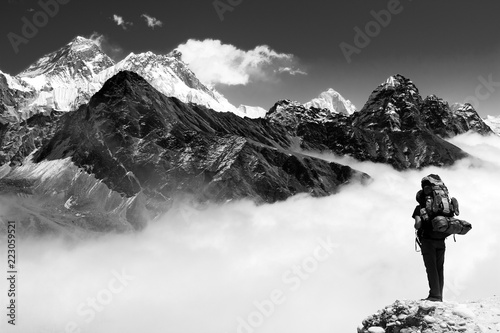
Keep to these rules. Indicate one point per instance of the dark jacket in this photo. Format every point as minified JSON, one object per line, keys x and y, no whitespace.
{"x":425,"y":230}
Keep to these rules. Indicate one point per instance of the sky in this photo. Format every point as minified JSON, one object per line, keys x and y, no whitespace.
{"x":449,"y":48}
{"x":317,"y":265}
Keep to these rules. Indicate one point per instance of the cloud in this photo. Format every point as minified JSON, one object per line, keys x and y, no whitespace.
{"x":216,"y":63}
{"x":221,"y":263}
{"x":291,"y":71}
{"x":121,"y":22}
{"x":152,"y":22}
{"x":114,"y":51}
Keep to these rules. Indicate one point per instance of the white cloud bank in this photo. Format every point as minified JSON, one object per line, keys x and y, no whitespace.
{"x":216,"y":63}
{"x":201,"y":270}
{"x":152,"y":22}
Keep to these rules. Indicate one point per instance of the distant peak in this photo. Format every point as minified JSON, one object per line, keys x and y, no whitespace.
{"x":80,"y":39}
{"x":333,"y":101}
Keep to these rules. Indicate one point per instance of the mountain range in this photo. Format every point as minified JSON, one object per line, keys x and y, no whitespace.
{"x":87,"y":144}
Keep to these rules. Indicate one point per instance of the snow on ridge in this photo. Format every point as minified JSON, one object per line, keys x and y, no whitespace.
{"x":14,"y":83}
{"x":391,"y":81}
{"x":158,"y":71}
{"x":251,"y":111}
{"x":494,"y":123}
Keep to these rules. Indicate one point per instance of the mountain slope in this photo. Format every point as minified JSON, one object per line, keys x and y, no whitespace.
{"x":128,"y":154}
{"x":135,"y":139}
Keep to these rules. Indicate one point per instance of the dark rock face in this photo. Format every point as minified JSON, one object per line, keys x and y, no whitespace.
{"x":137,"y":140}
{"x":449,"y":121}
{"x":19,"y":139}
{"x":395,"y":126}
{"x":392,"y":106}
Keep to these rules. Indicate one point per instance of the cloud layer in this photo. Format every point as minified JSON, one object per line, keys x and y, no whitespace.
{"x":226,"y":265}
{"x":216,"y":63}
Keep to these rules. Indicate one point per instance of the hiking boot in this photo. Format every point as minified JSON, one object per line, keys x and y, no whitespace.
{"x":433,"y":299}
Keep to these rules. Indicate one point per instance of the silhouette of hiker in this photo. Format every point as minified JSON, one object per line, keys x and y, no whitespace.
{"x":432,"y":245}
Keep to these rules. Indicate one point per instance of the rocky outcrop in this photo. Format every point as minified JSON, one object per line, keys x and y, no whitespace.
{"x":428,"y":317}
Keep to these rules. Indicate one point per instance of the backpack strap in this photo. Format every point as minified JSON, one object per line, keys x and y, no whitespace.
{"x":417,"y":242}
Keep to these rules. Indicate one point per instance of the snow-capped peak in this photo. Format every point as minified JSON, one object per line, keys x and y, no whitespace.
{"x":80,"y":57}
{"x":62,"y":79}
{"x":332,"y":101}
{"x":66,"y":78}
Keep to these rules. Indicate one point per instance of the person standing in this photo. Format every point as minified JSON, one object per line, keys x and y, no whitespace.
{"x":433,"y":247}
{"x":433,"y":201}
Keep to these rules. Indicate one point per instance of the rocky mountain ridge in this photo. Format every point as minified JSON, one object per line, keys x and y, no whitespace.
{"x":141,"y":150}
{"x":129,"y":153}
{"x":395,"y":126}
{"x":68,"y":77}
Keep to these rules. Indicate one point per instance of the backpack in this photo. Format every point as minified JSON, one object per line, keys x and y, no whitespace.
{"x":450,"y":225}
{"x":436,"y":199}
{"x":438,"y":208}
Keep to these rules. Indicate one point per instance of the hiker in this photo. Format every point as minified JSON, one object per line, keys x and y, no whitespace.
{"x":431,"y":242}
{"x":433,"y":248}
{"x":434,"y":221}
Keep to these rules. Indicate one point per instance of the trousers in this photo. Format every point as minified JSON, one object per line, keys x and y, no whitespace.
{"x":433,"y":255}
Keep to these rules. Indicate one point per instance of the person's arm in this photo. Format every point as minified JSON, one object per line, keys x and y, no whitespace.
{"x":418,"y":222}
